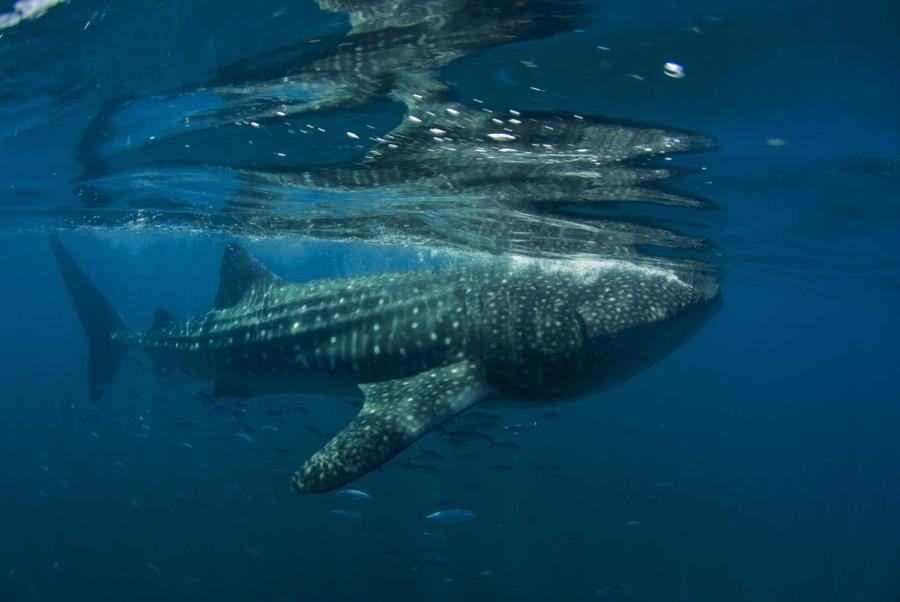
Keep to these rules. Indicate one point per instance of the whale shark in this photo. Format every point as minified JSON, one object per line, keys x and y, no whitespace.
{"x":421,"y":346}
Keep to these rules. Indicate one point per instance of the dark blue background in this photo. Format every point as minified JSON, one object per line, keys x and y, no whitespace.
{"x":761,"y":459}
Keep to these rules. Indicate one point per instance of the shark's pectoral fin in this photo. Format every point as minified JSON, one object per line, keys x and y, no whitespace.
{"x":394,"y":415}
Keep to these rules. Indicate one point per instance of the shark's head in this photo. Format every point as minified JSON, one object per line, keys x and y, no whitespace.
{"x":559,"y":328}
{"x":634,"y":315}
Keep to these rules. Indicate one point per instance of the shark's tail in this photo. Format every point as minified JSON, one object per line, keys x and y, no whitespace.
{"x":99,"y":319}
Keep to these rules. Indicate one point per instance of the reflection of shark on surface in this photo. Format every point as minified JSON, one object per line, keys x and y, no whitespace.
{"x":448,"y":174}
{"x":457,"y":176}
{"x":450,"y":223}
{"x":422,"y":345}
{"x":444,"y":147}
{"x":394,"y":48}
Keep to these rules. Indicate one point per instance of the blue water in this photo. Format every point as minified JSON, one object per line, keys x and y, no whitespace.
{"x":759,"y":462}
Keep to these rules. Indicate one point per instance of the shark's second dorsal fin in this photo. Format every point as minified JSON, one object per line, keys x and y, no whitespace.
{"x":239,"y":275}
{"x":394,"y":415}
{"x":161,"y":319}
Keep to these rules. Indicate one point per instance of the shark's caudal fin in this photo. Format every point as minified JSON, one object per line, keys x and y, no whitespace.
{"x":98,"y":318}
{"x":395,"y":414}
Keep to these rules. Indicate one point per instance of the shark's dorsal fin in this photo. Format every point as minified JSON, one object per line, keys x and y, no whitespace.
{"x":394,"y":415}
{"x":239,"y":275}
{"x":161,"y":319}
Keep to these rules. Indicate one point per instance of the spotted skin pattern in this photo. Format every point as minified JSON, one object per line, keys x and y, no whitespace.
{"x":395,"y":414}
{"x":425,"y":345}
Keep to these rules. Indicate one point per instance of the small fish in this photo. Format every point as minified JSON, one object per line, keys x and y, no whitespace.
{"x":134,"y":503}
{"x":547,"y":416}
{"x":299,"y":410}
{"x":485,"y":573}
{"x":484,"y":416}
{"x":433,"y":535}
{"x":273,"y":412}
{"x":153,"y":568}
{"x":611,"y":591}
{"x":506,"y":445}
{"x":269,"y":427}
{"x":516,"y":429}
{"x":547,"y":470}
{"x":283,"y":450}
{"x":423,"y":468}
{"x":633,"y":524}
{"x":347,"y":514}
{"x":317,"y":432}
{"x":254,"y":552}
{"x":186,"y":445}
{"x":204,"y":397}
{"x":445,"y":503}
{"x":451,"y":516}
{"x":469,"y":435}
{"x":94,"y":418}
{"x":468,"y":456}
{"x":433,"y":562}
{"x":187,"y":423}
{"x":244,"y":427}
{"x":433,"y":454}
{"x":244,"y":437}
{"x":355,"y":494}
{"x":502,"y":468}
